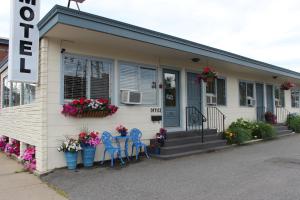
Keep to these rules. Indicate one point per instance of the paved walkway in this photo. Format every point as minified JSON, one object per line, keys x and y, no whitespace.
{"x":264,"y":171}
{"x":15,"y":184}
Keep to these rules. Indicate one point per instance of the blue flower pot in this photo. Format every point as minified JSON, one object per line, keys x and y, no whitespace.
{"x":88,"y":155}
{"x":124,"y":133}
{"x":71,"y":159}
{"x":157,"y":150}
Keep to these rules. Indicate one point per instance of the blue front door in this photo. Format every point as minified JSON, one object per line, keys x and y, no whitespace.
{"x":270,"y":98}
{"x":260,"y":108}
{"x":193,"y":91}
{"x":171,"y":98}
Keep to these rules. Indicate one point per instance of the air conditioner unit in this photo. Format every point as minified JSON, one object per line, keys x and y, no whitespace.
{"x":251,"y":102}
{"x":211,"y":100}
{"x":131,"y":97}
{"x":277,"y":103}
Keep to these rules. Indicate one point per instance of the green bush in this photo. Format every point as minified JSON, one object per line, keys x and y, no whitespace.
{"x":241,"y":123}
{"x":264,"y":131}
{"x":239,"y":135}
{"x":242,"y":131}
{"x":294,"y":123}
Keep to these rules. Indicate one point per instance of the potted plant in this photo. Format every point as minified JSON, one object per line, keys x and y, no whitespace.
{"x":70,"y":147}
{"x":160,"y":139}
{"x":122,"y":130}
{"x":287,"y":85}
{"x":3,"y":142}
{"x":28,"y":159}
{"x":207,"y":75}
{"x":88,"y":142}
{"x":270,"y":118}
{"x":89,"y":108}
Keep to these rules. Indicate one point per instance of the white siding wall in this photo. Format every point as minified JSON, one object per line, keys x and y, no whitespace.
{"x":26,"y":122}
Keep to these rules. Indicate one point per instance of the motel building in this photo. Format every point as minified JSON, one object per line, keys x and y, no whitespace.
{"x":85,"y":55}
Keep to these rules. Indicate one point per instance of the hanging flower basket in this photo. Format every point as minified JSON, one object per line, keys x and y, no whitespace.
{"x":83,"y":107}
{"x":207,"y":75}
{"x":287,"y":85}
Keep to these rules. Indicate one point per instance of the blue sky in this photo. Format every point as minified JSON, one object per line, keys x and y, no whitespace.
{"x":266,"y":30}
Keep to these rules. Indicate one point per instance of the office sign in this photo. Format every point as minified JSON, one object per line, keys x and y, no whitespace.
{"x":24,"y":41}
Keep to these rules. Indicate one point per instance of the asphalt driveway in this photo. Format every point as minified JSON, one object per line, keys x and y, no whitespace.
{"x":269,"y":170}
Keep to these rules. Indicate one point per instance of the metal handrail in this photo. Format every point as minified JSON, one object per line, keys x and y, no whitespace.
{"x":216,"y":119}
{"x":195,"y":120}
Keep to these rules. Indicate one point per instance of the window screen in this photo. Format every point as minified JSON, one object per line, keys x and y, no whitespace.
{"x":148,"y":86}
{"x":243,"y":93}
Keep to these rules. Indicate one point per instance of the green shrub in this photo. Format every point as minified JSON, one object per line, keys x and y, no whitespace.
{"x":294,"y":123}
{"x":239,"y":135}
{"x":264,"y":131}
{"x":241,"y":123}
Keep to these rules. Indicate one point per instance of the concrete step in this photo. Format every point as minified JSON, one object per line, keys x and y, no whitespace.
{"x":189,"y":153}
{"x":284,"y":132}
{"x":190,"y":140}
{"x":281,"y":128}
{"x":179,"y":134}
{"x":167,"y":150}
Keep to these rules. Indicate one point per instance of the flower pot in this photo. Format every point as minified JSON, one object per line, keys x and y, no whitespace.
{"x":71,"y":159}
{"x":157,"y":150}
{"x":88,"y":155}
{"x":123,"y":133}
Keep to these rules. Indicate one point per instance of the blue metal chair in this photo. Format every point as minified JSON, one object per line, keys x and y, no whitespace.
{"x":136,"y":135}
{"x":106,"y":139}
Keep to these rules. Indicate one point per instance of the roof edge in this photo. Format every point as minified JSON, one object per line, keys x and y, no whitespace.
{"x":52,"y":18}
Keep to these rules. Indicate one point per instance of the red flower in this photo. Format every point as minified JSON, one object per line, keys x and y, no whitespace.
{"x":82,"y":100}
{"x":82,"y":135}
{"x":103,"y":101}
{"x":75,"y":102}
{"x":207,"y":70}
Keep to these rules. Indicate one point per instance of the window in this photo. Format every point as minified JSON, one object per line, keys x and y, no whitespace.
{"x":28,"y":93}
{"x":279,"y":97}
{"x":16,"y":94}
{"x":295,"y":96}
{"x":136,"y":77}
{"x":6,"y":92}
{"x":86,"y":77}
{"x":246,"y":90}
{"x":217,"y":89}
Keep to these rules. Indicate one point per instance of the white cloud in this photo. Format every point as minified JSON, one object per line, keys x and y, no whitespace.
{"x":267,"y":30}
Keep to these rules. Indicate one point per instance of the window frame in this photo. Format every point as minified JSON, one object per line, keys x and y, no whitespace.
{"x":254,"y":93}
{"x":139,"y":66}
{"x":88,"y":82}
{"x":298,"y":91}
{"x":276,"y":87}
{"x":216,"y":91}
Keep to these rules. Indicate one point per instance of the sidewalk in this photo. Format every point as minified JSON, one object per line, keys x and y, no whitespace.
{"x":15,"y":184}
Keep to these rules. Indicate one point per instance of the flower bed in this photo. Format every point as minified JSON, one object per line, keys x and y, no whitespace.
{"x":89,"y":108}
{"x":13,"y":148}
{"x":3,"y":142}
{"x":28,"y":159}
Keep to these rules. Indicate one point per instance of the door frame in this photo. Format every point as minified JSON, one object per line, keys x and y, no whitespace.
{"x":167,"y":69}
